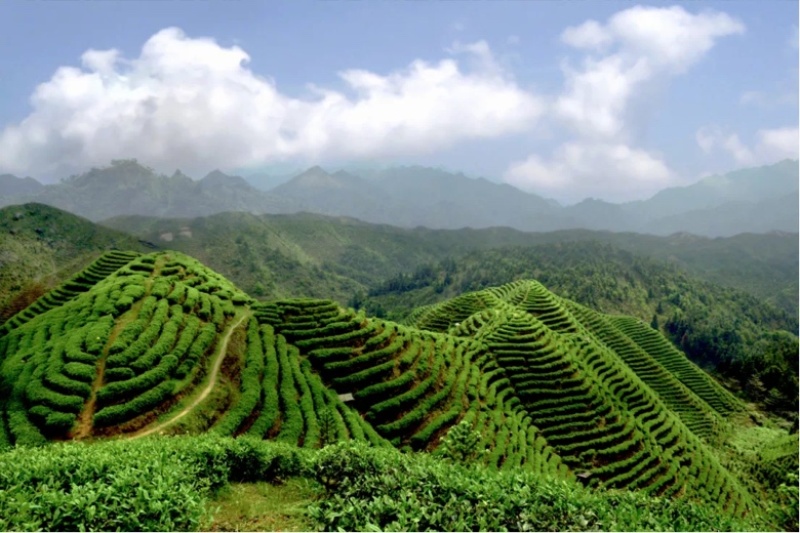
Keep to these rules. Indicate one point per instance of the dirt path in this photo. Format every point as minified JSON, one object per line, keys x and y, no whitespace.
{"x":84,"y":426}
{"x":212,"y":380}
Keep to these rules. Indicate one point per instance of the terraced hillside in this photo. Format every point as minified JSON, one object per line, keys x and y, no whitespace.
{"x":81,"y":282}
{"x":607,"y":405}
{"x":157,"y":343}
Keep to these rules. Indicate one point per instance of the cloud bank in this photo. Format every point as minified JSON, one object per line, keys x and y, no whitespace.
{"x":770,"y":145}
{"x":191,"y":103}
{"x":636,"y":49}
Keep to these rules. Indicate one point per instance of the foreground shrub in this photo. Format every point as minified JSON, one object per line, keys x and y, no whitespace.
{"x":159,"y":484}
{"x":164,"y":484}
{"x":380,"y":489}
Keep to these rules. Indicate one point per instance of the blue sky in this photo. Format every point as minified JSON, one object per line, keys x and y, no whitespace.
{"x":614,"y":100}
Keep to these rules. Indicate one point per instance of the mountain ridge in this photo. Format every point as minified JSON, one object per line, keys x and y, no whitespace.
{"x":418,"y":196}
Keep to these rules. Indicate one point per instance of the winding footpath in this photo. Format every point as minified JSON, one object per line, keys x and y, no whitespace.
{"x":212,"y":381}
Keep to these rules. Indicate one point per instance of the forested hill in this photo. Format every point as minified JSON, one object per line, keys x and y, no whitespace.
{"x":41,"y":246}
{"x":332,"y":257}
{"x":722,"y":329}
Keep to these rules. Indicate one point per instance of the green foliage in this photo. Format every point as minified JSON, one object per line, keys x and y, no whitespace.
{"x":461,"y":444}
{"x":541,"y":386}
{"x":373,"y":489}
{"x":141,"y":404}
{"x":788,"y":503}
{"x":151,"y":485}
{"x":724,"y":329}
{"x":251,"y":383}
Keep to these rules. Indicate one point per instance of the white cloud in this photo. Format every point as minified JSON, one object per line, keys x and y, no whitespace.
{"x":610,"y":171}
{"x":635,"y":47}
{"x":671,"y":37}
{"x":771,"y":144}
{"x":596,"y":97}
{"x":589,"y":35}
{"x":742,"y":154}
{"x":191,"y":103}
{"x":706,"y":138}
{"x":634,"y":51}
{"x":779,"y":143}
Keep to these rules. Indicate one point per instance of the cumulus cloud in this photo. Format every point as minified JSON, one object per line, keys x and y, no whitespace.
{"x":779,"y":143}
{"x":771,"y":145}
{"x":635,"y":47}
{"x":635,"y":50}
{"x":191,"y":103}
{"x":589,"y":169}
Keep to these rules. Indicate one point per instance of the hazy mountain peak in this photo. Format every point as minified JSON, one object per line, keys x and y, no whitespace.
{"x":178,"y":175}
{"x":215,"y":174}
{"x":217,"y":179}
{"x":122,"y":173}
{"x":11,"y":185}
{"x":313,"y":178}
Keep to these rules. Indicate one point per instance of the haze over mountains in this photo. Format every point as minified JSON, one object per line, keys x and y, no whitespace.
{"x":755,"y":200}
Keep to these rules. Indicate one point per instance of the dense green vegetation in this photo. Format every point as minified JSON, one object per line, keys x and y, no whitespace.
{"x":727,"y":331}
{"x":169,"y":484}
{"x":275,"y":256}
{"x":42,"y":246}
{"x":536,"y":395}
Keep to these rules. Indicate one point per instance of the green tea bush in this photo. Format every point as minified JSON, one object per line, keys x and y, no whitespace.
{"x":251,"y":383}
{"x":120,"y":373}
{"x":157,"y":484}
{"x":198,"y":348}
{"x":97,"y":334}
{"x":80,"y":371}
{"x":36,"y":392}
{"x":371,"y":489}
{"x":461,"y":444}
{"x":117,"y":414}
{"x":147,"y":380}
{"x":270,"y":404}
{"x":292,"y":424}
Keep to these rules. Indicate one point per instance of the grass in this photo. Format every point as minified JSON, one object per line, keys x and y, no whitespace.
{"x":263,"y":506}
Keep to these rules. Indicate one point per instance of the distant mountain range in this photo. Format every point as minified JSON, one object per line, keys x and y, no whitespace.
{"x":756,"y":200}
{"x":129,"y":188}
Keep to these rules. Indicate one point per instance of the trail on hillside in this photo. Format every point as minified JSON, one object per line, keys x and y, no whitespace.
{"x":212,"y":380}
{"x":84,"y":426}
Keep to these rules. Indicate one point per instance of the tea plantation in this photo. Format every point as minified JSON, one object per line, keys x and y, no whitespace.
{"x":542,"y":412}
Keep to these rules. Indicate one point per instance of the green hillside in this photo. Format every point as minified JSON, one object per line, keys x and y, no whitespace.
{"x":137,"y":345}
{"x":751,"y":343}
{"x":42,"y":246}
{"x":277,"y":256}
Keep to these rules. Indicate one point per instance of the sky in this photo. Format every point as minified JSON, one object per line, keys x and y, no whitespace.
{"x":569,"y":100}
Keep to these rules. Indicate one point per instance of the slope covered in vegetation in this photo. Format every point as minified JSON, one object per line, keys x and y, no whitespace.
{"x":730,"y":332}
{"x":277,"y":256}
{"x":158,"y":343}
{"x":722,"y":329}
{"x":41,"y":246}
